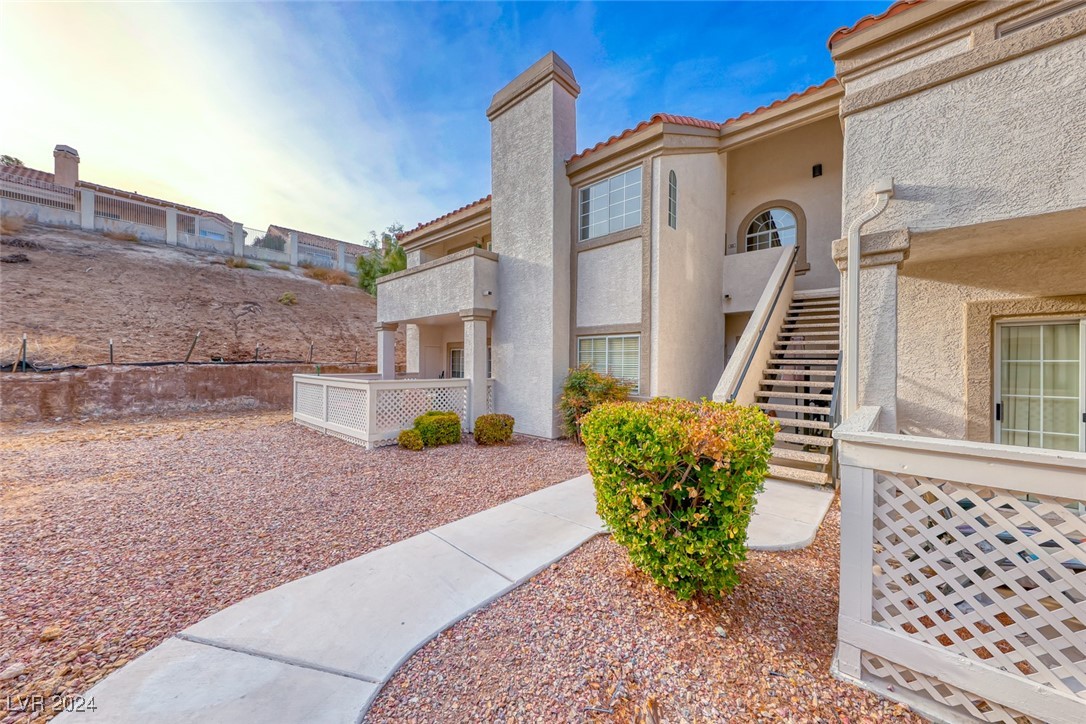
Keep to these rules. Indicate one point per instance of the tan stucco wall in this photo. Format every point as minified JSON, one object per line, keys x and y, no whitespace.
{"x":687,"y":318}
{"x":935,"y":356}
{"x":780,"y":168}
{"x":437,"y":337}
{"x":1002,"y":143}
{"x":609,"y":284}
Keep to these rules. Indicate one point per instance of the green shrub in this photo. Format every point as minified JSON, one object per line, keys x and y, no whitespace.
{"x":493,"y":429}
{"x":583,"y":389}
{"x":410,"y":439}
{"x":675,"y":481}
{"x":438,"y":428}
{"x":288,"y":298}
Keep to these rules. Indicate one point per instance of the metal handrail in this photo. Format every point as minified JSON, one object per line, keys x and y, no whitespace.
{"x":761,"y":331}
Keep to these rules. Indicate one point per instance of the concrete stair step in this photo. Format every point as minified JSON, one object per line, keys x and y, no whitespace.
{"x":801,"y":475}
{"x":783,"y":453}
{"x":775,"y":385}
{"x":815,"y":352}
{"x":794,"y":395}
{"x":809,"y":409}
{"x":794,"y":328}
{"x":826,"y":293}
{"x":780,"y":361}
{"x":797,"y":439}
{"x":811,"y":424}
{"x":811,"y":317}
{"x":831,"y":336}
{"x":805,"y":373}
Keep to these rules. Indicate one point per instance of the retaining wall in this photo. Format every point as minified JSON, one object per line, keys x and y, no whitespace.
{"x":126,"y":390}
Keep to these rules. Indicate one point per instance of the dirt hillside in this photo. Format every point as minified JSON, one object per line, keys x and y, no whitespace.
{"x":79,"y":289}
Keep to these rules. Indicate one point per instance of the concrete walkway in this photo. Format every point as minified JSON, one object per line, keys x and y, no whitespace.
{"x":318,"y":649}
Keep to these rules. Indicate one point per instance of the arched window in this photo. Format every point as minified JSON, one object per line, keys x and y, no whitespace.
{"x":672,"y":201}
{"x":773,"y":227}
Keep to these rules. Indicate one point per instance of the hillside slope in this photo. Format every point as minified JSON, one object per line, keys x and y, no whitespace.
{"x":81,"y":289}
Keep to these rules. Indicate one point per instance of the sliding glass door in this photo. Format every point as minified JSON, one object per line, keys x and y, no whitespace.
{"x":1041,"y":384}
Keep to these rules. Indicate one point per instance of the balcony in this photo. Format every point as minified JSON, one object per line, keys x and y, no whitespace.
{"x":446,"y":286}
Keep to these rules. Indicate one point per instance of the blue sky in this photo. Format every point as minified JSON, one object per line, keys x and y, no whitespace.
{"x":341,"y":118}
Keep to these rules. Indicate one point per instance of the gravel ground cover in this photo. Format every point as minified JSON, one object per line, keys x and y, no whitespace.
{"x":592,"y":639}
{"x":114,"y":536}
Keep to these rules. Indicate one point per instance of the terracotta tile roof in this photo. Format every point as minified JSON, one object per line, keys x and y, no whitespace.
{"x":866,"y":22}
{"x":420,"y":227}
{"x":776,"y":104}
{"x":321,"y":242}
{"x":29,"y":173}
{"x":697,"y":122}
{"x":657,"y":118}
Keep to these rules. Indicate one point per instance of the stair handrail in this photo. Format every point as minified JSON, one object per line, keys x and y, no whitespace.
{"x":752,"y":350}
{"x":835,"y":413}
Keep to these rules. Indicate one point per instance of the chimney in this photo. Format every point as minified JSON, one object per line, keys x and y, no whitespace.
{"x":65,"y":166}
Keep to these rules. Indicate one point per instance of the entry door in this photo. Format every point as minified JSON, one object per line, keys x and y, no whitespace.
{"x":1041,"y":385}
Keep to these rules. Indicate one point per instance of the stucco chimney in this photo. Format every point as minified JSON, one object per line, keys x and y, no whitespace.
{"x":65,"y":166}
{"x":533,"y":132}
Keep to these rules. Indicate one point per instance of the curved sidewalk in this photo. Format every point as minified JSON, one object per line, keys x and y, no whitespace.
{"x":318,"y":649}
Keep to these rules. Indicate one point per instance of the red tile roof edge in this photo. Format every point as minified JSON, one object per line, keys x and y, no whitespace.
{"x":867,"y":21}
{"x":404,"y":234}
{"x":697,"y":122}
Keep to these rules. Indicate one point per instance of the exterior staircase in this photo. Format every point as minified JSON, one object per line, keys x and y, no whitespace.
{"x":797,"y":388}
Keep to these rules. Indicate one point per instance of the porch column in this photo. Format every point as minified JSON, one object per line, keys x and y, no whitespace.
{"x":386,"y":350}
{"x":475,"y":332}
{"x":881,"y":255}
{"x":412,"y":340}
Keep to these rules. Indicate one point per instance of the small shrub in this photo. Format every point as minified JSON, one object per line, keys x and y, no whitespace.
{"x":410,"y":439}
{"x":583,"y":389}
{"x":11,"y":224}
{"x":493,"y":429}
{"x":329,"y":276}
{"x":438,"y":428}
{"x":675,"y":481}
{"x":122,"y":236}
{"x":280,"y":266}
{"x":236,"y":262}
{"x":288,"y":299}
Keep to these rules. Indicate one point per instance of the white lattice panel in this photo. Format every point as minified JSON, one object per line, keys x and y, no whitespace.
{"x":347,"y":407}
{"x":309,"y":399}
{"x":398,"y":408}
{"x":947,"y":695}
{"x":490,"y":397}
{"x":984,"y":574}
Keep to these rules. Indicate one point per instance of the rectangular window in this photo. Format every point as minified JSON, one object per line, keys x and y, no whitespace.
{"x":1040,"y":396}
{"x":618,"y":356}
{"x":611,"y":205}
{"x":212,"y":235}
{"x":456,"y":363}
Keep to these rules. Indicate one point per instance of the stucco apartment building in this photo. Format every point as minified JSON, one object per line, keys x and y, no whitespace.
{"x":651,"y":254}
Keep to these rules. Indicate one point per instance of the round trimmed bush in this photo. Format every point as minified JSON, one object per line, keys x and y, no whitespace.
{"x":410,"y":439}
{"x":675,"y":481}
{"x":493,"y":429}
{"x":438,"y":427}
{"x":583,"y":389}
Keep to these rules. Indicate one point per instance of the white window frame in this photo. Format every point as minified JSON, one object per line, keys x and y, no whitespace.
{"x":997,"y":372}
{"x":607,"y":353}
{"x":452,"y":367}
{"x":672,"y":200}
{"x":767,"y":236}
{"x":629,"y":199}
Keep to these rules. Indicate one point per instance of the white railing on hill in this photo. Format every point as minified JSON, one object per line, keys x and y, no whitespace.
{"x":33,"y":191}
{"x":116,"y":209}
{"x":963,"y":575}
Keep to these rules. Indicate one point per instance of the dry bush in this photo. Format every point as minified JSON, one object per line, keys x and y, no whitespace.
{"x":11,"y":224}
{"x":235,"y":262}
{"x":280,"y":266}
{"x":122,"y":235}
{"x":329,"y":276}
{"x":288,"y":299}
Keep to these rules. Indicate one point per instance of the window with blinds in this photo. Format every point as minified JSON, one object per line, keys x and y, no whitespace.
{"x":611,"y":205}
{"x":618,"y":356}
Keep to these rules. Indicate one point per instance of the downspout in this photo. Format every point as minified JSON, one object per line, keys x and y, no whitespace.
{"x":884,"y":191}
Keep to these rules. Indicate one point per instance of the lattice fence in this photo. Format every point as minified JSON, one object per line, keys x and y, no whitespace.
{"x":347,"y":407}
{"x":309,"y":400}
{"x":991,"y":575}
{"x":397,"y":408}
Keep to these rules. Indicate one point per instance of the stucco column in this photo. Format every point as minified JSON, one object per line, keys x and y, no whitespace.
{"x":476,"y":322}
{"x":341,"y":256}
{"x":412,"y":344}
{"x":171,"y":227}
{"x":239,"y":240}
{"x":292,"y":248}
{"x":533,"y":130}
{"x":86,"y":209}
{"x":386,"y":350}
{"x":881,"y":255}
